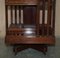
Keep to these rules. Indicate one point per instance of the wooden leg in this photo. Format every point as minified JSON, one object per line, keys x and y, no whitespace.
{"x":18,"y":48}
{"x":15,"y":50}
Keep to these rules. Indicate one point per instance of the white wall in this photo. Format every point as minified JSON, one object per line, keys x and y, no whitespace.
{"x":57,"y":24}
{"x":2,"y":18}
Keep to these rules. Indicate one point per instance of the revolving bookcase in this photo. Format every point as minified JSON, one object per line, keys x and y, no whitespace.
{"x":30,"y":24}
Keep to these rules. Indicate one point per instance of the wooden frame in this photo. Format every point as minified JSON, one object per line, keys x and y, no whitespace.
{"x":42,"y":34}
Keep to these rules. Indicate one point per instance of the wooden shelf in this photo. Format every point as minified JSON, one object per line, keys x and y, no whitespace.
{"x":49,"y":40}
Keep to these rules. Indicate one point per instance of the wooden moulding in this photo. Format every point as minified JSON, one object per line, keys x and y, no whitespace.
{"x":21,"y":2}
{"x":49,"y":40}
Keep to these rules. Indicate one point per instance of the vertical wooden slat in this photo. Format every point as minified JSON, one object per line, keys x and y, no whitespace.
{"x":38,"y":18}
{"x":54,"y":3}
{"x":51,"y":17}
{"x":43,"y":17}
{"x":6,"y":12}
{"x":50,"y":13}
{"x":19,"y":15}
{"x":48,"y":16}
{"x":11,"y":14}
{"x":15,"y":14}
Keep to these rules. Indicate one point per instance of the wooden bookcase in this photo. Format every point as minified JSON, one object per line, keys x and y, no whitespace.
{"x":30,"y":24}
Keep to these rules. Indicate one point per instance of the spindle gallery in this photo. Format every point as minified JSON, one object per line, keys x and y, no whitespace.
{"x":30,"y":24}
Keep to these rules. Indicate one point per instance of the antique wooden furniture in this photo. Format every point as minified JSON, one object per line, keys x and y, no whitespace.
{"x":30,"y":24}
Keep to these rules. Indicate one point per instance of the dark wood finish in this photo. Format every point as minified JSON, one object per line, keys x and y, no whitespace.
{"x":42,"y":48}
{"x":6,"y":9}
{"x":16,"y":15}
{"x":43,"y":17}
{"x":29,"y":13}
{"x":11,"y":14}
{"x":49,"y":16}
{"x":21,"y":2}
{"x":54,"y":3}
{"x":37,"y":18}
{"x":19,"y":15}
{"x":34,"y":40}
{"x":31,"y":33}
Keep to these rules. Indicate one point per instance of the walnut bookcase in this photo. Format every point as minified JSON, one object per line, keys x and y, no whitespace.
{"x":30,"y":24}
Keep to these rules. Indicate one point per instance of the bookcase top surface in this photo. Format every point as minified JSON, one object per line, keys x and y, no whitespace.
{"x":21,"y":2}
